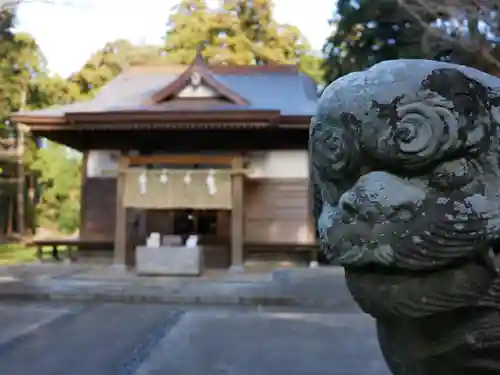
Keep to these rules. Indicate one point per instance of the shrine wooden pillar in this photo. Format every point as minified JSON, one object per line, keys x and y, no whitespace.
{"x":120,"y":244}
{"x":311,"y":218}
{"x":237,"y":215}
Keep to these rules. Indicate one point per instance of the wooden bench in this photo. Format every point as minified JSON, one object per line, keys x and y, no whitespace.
{"x":72,"y":246}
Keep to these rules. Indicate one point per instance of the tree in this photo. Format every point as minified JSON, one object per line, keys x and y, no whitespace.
{"x":20,"y":60}
{"x":25,"y":83}
{"x":250,"y":25}
{"x":189,"y":24}
{"x":59,"y":175}
{"x":460,"y":31}
{"x":108,"y":62}
{"x":237,"y":32}
{"x":465,"y":31}
{"x":45,"y":91}
{"x":367,"y":32}
{"x":312,"y":65}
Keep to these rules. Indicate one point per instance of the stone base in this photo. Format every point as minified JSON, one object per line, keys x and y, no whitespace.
{"x":169,"y":261}
{"x":237,"y":268}
{"x":119,"y":267}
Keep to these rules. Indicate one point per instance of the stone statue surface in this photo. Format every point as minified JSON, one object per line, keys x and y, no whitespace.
{"x":405,"y":163}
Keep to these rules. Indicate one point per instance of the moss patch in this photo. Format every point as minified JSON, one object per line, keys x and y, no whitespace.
{"x":16,"y":253}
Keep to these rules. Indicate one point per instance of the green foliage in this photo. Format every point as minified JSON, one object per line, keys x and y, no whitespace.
{"x":108,"y":62}
{"x":45,"y":91}
{"x":16,"y":253}
{"x":367,"y":32}
{"x":370,"y":31}
{"x":238,"y":32}
{"x":22,"y":71}
{"x":20,"y":60}
{"x":187,"y":27}
{"x":60,"y":179}
{"x":465,"y":31}
{"x":312,"y":65}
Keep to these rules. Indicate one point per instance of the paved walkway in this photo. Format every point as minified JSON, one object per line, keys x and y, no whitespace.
{"x":319,"y":288}
{"x":143,"y":339}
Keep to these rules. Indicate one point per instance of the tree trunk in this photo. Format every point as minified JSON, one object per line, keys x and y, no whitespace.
{"x":20,"y":182}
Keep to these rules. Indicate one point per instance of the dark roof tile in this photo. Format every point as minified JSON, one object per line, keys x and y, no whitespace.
{"x":284,"y":90}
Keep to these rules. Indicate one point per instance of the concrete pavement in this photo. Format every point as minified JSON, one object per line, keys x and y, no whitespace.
{"x":87,"y":340}
{"x":319,"y":288}
{"x":145,"y":339}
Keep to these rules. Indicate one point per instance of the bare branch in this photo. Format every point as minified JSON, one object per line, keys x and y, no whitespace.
{"x":465,"y":16}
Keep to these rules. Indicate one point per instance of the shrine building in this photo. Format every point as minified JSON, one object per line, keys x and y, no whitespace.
{"x":216,"y":151}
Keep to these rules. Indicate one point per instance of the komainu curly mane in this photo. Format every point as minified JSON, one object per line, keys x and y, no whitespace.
{"x":406,"y":183}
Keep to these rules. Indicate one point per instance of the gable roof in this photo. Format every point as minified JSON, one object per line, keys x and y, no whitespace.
{"x":198,"y":67}
{"x":278,"y":88}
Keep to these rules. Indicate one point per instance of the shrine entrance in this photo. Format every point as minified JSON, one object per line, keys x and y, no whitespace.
{"x":211,"y":226}
{"x":198,"y":222}
{"x":179,"y":198}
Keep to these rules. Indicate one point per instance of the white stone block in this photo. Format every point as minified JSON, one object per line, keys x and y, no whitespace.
{"x":169,"y":261}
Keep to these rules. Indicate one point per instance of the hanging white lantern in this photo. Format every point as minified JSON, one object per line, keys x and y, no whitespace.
{"x":164,"y":177}
{"x":143,"y":182}
{"x":212,"y":189}
{"x":187,"y":178}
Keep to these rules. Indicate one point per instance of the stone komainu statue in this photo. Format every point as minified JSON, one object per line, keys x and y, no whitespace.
{"x":405,"y":163}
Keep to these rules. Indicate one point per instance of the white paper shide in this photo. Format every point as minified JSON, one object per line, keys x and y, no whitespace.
{"x":212,"y":189}
{"x":143,"y":182}
{"x":164,"y":177}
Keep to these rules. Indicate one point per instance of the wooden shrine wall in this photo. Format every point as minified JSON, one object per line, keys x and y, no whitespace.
{"x":98,"y":208}
{"x":277,"y":211}
{"x":276,"y":203}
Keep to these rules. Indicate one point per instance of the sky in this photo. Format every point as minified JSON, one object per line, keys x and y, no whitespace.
{"x":69,"y":31}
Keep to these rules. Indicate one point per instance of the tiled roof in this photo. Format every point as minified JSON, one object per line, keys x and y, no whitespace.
{"x":288,"y":91}
{"x":291,"y":93}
